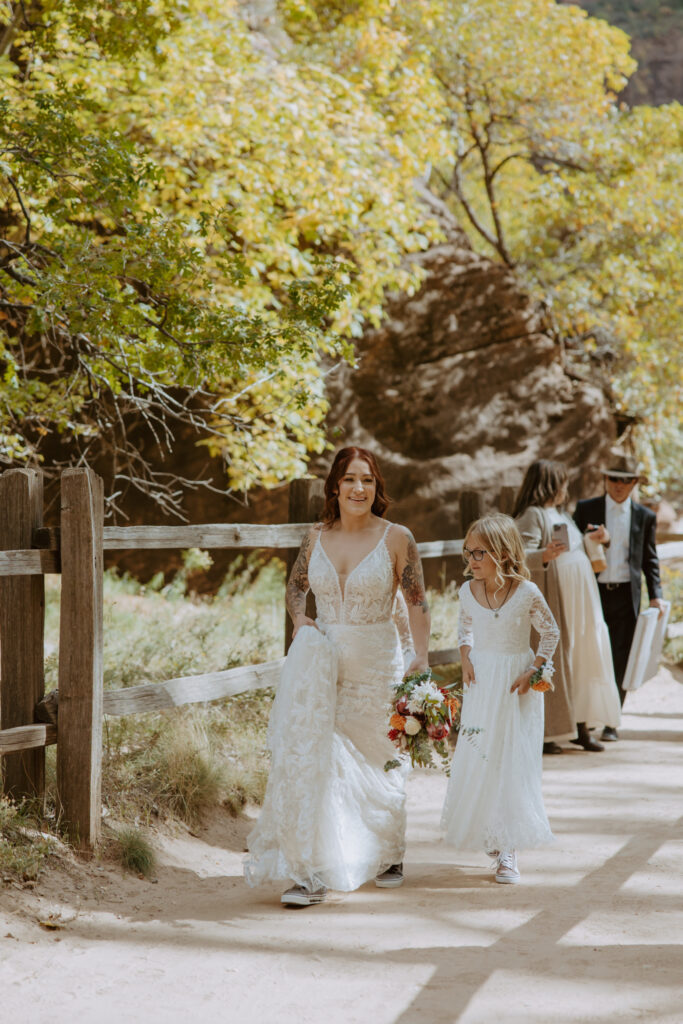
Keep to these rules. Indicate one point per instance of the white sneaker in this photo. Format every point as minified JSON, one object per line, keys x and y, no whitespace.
{"x":300,"y":896}
{"x":391,"y":878}
{"x":506,"y":868}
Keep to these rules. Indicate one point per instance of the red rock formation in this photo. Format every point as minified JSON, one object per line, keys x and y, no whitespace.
{"x":461,"y":388}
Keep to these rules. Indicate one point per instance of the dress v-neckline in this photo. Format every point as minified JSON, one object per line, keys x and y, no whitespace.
{"x":342,"y":592}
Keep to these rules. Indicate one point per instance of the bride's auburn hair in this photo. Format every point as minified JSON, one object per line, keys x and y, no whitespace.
{"x":342,"y":461}
{"x":501,"y":538}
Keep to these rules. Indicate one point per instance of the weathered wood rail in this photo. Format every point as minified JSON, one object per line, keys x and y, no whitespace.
{"x":75,"y":550}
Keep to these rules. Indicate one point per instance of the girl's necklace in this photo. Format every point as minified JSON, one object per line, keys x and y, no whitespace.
{"x":496,"y":610}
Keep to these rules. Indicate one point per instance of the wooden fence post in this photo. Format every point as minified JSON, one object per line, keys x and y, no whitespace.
{"x":506,"y":498}
{"x":471,"y":508}
{"x":79,"y":748}
{"x":306,"y":500}
{"x":22,"y":623}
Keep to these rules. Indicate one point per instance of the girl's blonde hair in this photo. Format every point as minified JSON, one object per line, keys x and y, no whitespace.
{"x":503,"y":541}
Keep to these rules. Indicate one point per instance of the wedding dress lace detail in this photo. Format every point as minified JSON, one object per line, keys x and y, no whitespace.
{"x":506,"y":632}
{"x":282,"y":844}
{"x":368,"y":595}
{"x":332,"y":816}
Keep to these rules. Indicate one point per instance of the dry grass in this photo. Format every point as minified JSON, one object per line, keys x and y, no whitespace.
{"x":183,"y":763}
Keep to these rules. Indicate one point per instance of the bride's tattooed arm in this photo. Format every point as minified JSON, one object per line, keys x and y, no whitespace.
{"x":411,"y":580}
{"x":298,"y":585}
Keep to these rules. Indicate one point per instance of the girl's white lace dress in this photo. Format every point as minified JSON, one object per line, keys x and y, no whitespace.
{"x":494,"y":799}
{"x":332,"y":816}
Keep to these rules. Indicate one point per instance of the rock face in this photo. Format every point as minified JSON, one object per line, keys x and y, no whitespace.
{"x":659,"y":78}
{"x":461,"y":388}
{"x":656,"y":33}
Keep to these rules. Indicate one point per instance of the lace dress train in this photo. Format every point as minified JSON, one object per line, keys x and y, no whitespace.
{"x":332,"y":816}
{"x":494,"y":799}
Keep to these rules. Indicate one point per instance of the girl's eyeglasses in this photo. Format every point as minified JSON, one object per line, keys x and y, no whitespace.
{"x":476,"y":555}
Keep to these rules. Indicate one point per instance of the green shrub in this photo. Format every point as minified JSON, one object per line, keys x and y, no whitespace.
{"x":24,"y":847}
{"x":135,"y":851}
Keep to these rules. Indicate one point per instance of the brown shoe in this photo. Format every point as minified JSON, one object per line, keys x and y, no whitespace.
{"x":585,"y":740}
{"x":588,"y":744}
{"x":552,"y":748}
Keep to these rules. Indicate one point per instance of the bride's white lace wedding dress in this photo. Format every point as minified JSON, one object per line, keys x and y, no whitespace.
{"x":332,"y":816}
{"x":494,"y":799}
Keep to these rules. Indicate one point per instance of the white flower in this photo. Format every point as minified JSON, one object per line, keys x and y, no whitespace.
{"x":422,"y":694}
{"x":412,"y":726}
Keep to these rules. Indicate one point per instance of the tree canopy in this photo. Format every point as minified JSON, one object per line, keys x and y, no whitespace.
{"x":192,"y":211}
{"x":187,"y":222}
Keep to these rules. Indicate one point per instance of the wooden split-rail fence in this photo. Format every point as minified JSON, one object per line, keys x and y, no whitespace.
{"x":75,"y":550}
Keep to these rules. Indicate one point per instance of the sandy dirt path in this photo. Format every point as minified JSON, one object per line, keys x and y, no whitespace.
{"x":593,"y":934}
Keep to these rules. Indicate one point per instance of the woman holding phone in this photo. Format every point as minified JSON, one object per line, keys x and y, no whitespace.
{"x":584,"y":694}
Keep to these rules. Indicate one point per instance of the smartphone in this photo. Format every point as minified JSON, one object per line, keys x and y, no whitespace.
{"x":561,"y":533}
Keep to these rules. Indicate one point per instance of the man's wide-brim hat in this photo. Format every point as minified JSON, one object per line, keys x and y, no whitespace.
{"x":621,"y":464}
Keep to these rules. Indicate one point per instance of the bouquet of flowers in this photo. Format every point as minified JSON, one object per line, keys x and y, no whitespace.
{"x":541,"y":680}
{"x":423,"y":715}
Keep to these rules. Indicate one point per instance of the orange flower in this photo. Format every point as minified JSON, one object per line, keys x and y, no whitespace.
{"x":453,"y":704}
{"x":542,"y":686}
{"x":397,"y":722}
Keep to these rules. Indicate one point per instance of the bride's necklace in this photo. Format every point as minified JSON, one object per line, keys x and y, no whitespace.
{"x":496,"y":610}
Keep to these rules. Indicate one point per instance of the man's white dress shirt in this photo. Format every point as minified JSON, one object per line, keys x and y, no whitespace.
{"x":618,"y":523}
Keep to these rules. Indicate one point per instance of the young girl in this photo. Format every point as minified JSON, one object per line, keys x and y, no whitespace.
{"x":494,"y":797}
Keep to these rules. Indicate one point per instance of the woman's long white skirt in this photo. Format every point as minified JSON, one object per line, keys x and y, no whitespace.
{"x":593,"y":689}
{"x":494,"y":799}
{"x":332,"y":816}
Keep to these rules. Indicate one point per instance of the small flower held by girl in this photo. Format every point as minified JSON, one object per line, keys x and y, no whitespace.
{"x":494,"y":797}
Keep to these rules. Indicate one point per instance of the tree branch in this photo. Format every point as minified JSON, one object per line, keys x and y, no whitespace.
{"x":27,"y":216}
{"x":458,"y":188}
{"x":483,"y":148}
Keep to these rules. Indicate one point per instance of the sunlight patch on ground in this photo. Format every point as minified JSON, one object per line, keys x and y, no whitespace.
{"x":626,"y":927}
{"x":521,"y":997}
{"x":662,"y":876}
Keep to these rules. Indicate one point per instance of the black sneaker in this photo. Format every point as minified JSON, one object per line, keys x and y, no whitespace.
{"x":609,"y":735}
{"x":391,"y":878}
{"x":300,"y":896}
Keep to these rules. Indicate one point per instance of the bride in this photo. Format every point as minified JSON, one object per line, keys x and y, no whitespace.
{"x":332,"y":817}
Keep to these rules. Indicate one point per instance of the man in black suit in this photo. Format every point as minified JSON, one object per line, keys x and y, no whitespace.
{"x":628,"y":531}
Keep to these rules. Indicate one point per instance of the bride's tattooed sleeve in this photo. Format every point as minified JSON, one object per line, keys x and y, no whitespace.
{"x":298,"y":585}
{"x":411,"y":578}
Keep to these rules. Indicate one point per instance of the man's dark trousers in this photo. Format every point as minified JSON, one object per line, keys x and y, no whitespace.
{"x":621,"y":601}
{"x":617,"y":607}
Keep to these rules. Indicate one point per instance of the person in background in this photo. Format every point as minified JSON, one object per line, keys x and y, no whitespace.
{"x":564,"y":574}
{"x":628,"y":531}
